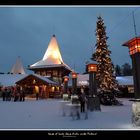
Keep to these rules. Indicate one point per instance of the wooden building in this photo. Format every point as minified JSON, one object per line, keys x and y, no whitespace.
{"x":34,"y":83}
{"x":52,"y":64}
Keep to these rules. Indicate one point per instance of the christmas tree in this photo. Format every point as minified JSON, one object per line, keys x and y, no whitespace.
{"x":106,"y":81}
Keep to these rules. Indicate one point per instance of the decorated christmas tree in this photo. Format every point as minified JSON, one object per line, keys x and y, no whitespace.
{"x":105,"y":76}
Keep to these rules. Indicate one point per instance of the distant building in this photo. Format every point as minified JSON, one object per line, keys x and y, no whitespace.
{"x":52,"y":64}
{"x":123,"y":81}
{"x":18,"y":67}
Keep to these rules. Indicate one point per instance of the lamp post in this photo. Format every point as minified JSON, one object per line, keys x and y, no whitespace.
{"x":92,"y":69}
{"x":93,"y":100}
{"x":66,"y":79}
{"x":134,"y":51}
{"x":74,"y":82}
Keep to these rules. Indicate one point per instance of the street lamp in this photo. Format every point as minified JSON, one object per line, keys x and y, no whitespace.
{"x":66,"y":79}
{"x":92,"y":69}
{"x":134,"y":51}
{"x":93,"y":100}
{"x":74,"y":82}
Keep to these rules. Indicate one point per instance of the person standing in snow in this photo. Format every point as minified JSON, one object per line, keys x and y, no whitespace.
{"x":82,"y":99}
{"x":3,"y":94}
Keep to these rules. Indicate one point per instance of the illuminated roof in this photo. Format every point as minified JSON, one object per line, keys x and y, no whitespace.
{"x":52,"y":56}
{"x":12,"y":79}
{"x":18,"y":67}
{"x":131,"y":41}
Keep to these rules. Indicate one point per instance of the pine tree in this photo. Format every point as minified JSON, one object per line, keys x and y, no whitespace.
{"x":106,"y":81}
{"x":118,"y":70}
{"x":126,"y":69}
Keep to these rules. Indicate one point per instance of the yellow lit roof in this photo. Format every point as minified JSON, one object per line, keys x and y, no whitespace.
{"x":52,"y":56}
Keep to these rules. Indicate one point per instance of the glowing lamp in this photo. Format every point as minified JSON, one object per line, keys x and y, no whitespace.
{"x":66,"y":78}
{"x":34,"y":81}
{"x":134,"y":51}
{"x":74,"y":75}
{"x":133,"y":45}
{"x":92,"y":67}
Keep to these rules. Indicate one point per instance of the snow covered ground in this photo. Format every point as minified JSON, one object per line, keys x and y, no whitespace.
{"x":47,"y":114}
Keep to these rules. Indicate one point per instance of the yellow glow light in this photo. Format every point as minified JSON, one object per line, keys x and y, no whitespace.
{"x":53,"y":89}
{"x":36,"y":89}
{"x":74,"y":75}
{"x":92,"y":68}
{"x":55,"y":54}
{"x":34,"y":81}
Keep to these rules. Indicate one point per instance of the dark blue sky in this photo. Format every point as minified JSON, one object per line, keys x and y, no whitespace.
{"x":26,"y":32}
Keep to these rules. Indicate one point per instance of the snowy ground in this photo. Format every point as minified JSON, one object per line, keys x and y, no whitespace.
{"x":47,"y":114}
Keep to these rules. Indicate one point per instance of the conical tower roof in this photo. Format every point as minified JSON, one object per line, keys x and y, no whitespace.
{"x":52,"y":56}
{"x":18,"y":67}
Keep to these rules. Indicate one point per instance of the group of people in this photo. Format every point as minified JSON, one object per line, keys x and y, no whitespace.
{"x":6,"y":94}
{"x":16,"y":93}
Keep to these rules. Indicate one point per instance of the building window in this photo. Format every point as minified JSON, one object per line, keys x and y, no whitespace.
{"x":55,"y":73}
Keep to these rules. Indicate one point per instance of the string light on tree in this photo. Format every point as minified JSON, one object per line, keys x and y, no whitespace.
{"x":106,"y":81}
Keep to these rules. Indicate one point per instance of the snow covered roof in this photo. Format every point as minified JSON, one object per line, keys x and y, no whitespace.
{"x":10,"y":79}
{"x":52,"y":57}
{"x":125,"y":80}
{"x":18,"y":67}
{"x":51,"y":66}
{"x":45,"y":79}
{"x":83,"y":79}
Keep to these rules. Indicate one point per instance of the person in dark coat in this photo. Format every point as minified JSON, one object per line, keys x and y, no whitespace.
{"x":6,"y":94}
{"x":3,"y":95}
{"x":82,"y":99}
{"x":16,"y":93}
{"x":23,"y":95}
